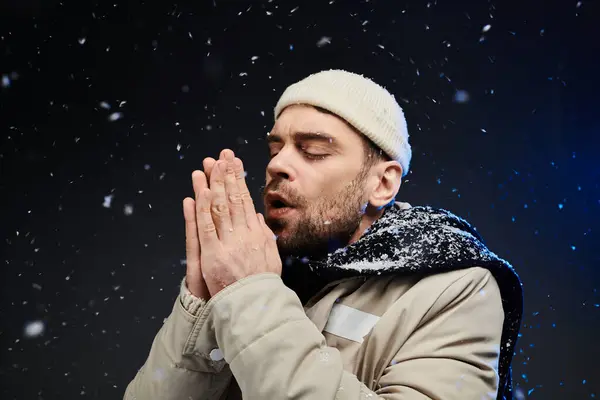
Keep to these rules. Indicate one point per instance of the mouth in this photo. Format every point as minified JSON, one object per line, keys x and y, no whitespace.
{"x":276,"y":201}
{"x":277,"y":206}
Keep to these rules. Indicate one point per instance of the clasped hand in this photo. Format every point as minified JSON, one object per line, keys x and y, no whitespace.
{"x":226,"y":239}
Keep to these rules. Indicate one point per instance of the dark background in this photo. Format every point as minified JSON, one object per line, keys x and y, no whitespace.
{"x":519,"y":159}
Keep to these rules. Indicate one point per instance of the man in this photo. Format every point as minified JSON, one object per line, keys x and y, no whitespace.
{"x":389,"y":301}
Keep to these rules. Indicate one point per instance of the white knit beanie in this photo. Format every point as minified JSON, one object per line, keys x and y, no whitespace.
{"x":365,"y":105}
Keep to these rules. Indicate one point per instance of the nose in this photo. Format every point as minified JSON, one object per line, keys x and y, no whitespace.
{"x":280,"y":167}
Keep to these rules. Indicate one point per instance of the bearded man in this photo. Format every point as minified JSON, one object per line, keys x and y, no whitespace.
{"x":377,"y":299}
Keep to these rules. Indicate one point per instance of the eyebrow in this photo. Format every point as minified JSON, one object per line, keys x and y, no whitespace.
{"x":318,"y":136}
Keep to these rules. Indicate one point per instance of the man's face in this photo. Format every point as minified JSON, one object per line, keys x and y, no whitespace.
{"x":317,"y":167}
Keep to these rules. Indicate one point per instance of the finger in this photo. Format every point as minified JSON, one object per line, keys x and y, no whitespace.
{"x":207,"y":232}
{"x":226,"y":154}
{"x":273,"y":253}
{"x":236,"y":208}
{"x":208,"y":163}
{"x":271,"y":237}
{"x":199,"y":182}
{"x":192,"y":247}
{"x":219,"y":203}
{"x":247,"y":203}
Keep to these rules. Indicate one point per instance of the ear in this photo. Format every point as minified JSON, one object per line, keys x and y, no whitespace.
{"x":388,"y":179}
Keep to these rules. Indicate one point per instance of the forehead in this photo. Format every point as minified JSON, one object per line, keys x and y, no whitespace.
{"x":302,"y":118}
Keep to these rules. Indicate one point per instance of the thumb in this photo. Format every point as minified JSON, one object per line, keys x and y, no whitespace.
{"x":263,"y":225}
{"x":271,"y":242}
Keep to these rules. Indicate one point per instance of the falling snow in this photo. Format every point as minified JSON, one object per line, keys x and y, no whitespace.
{"x":107,"y":201}
{"x":115,"y":116}
{"x":128,"y":209}
{"x":34,"y":329}
{"x":325,"y":40}
{"x":68,"y":280}
{"x":5,"y":81}
{"x":461,"y":96}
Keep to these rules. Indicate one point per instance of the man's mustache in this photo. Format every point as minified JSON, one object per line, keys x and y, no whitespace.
{"x":278,"y":187}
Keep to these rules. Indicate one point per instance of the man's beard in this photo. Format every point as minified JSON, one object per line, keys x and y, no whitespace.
{"x":321,"y":226}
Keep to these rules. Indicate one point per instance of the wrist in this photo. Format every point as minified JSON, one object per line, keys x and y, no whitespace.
{"x":191,"y":303}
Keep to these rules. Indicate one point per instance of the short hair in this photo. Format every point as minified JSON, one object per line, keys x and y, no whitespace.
{"x":372,"y":153}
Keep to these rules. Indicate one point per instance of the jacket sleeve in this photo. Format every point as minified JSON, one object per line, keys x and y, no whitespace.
{"x":184,"y":361}
{"x":276,"y":352}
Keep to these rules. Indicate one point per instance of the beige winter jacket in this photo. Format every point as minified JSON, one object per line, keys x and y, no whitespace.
{"x":382,"y":337}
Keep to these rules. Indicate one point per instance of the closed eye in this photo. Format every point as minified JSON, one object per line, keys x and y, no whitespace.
{"x":312,"y":156}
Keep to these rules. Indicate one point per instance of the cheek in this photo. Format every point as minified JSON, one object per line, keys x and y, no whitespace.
{"x":316,"y":189}
{"x":323,"y":196}
{"x":336,"y":183}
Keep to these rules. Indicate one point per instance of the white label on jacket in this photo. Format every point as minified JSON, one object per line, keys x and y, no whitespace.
{"x":350,"y":323}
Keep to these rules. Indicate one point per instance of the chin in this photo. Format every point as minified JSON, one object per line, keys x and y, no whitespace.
{"x":279,"y":224}
{"x":278,"y":229}
{"x":275,"y":226}
{"x":284,"y":233}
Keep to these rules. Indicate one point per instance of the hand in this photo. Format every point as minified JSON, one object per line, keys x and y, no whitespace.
{"x":194,"y":280}
{"x":235,"y":240}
